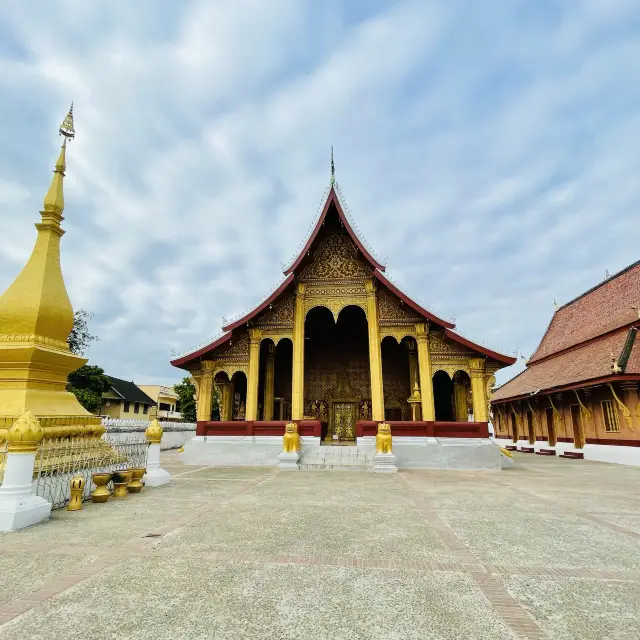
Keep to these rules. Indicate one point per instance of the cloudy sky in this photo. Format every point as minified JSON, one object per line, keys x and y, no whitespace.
{"x":489,"y":150}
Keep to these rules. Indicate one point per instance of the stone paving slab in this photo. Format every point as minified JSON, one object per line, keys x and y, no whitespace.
{"x":254,"y":553}
{"x":575,"y":609}
{"x":192,"y":600}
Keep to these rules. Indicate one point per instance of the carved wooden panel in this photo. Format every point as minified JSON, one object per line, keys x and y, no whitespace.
{"x":391,"y":311}
{"x":279,"y":315}
{"x":336,"y":258}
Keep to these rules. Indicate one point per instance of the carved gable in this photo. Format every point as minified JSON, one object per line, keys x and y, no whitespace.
{"x":336,"y":258}
{"x":391,"y":311}
{"x":280,"y":314}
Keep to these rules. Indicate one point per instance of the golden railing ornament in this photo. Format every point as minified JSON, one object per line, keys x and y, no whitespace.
{"x":154,"y":432}
{"x":25,"y":434}
{"x":291,"y":440}
{"x":101,"y":493}
{"x":121,"y":480}
{"x":135,"y":486}
{"x":77,"y":488}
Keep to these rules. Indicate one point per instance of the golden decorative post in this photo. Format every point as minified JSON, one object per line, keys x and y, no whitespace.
{"x":156,"y":475}
{"x":77,"y":487}
{"x":269,"y":381}
{"x":460,"y":401}
{"x":478,"y":389}
{"x":101,"y":493}
{"x":375,"y":356}
{"x":205,"y":391}
{"x":18,"y":506}
{"x":297,"y":380}
{"x":255,"y":338}
{"x":415,"y":400}
{"x":413,"y":364}
{"x":424,"y":365}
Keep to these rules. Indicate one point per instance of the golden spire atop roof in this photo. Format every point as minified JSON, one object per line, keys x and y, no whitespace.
{"x":36,"y":304}
{"x":54,"y":199}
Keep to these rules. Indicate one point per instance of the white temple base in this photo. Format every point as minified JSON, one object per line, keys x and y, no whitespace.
{"x":289,"y":461}
{"x":156,"y":477}
{"x":384,"y":463}
{"x":240,"y":451}
{"x":410,"y":452}
{"x":21,"y":512}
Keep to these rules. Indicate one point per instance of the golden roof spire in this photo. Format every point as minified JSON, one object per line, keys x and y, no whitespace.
{"x":36,"y":304}
{"x":54,"y":200}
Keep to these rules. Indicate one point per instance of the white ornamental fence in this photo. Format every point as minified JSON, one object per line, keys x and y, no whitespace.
{"x":175,"y":434}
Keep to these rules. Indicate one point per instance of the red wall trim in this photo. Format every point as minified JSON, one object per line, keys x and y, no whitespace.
{"x":564,"y":439}
{"x":615,"y":443}
{"x":426,"y":429}
{"x":255,"y":428}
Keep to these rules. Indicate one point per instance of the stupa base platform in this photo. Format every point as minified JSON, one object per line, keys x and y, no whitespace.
{"x":477,"y":454}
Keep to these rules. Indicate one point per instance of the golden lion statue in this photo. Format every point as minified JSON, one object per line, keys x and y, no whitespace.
{"x":383,"y":439}
{"x":291,"y":438}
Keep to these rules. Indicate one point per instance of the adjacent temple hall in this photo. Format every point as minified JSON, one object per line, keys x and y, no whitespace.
{"x":338,"y":348}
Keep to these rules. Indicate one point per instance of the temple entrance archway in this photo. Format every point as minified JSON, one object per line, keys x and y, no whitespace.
{"x":337,"y":382}
{"x":443,"y":396}
{"x":239,"y":395}
{"x":396,"y":377}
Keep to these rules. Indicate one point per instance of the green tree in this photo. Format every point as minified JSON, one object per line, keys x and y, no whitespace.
{"x":88,"y":383}
{"x":186,"y":392}
{"x":80,"y":338}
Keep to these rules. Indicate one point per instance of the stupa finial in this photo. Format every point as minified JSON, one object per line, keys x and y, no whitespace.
{"x":333,"y":169}
{"x":54,"y":199}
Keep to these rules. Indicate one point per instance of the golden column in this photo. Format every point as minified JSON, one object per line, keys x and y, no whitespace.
{"x":297,"y":379}
{"x":269,"y":382}
{"x":478,"y":389}
{"x":424,"y":365}
{"x":375,"y":355}
{"x":205,"y":391}
{"x":460,"y":398}
{"x":413,"y":365}
{"x":255,"y":337}
{"x":225,"y":400}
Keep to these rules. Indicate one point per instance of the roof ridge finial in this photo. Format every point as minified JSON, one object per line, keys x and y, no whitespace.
{"x":333,"y":169}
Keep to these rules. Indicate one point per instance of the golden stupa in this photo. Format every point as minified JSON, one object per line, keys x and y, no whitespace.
{"x":36,"y":319}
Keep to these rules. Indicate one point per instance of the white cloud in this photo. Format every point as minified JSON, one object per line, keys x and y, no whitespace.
{"x":489,"y":152}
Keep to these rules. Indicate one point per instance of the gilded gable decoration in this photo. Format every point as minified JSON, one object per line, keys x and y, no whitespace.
{"x":336,"y":259}
{"x":279,"y":315}
{"x":392,"y":312}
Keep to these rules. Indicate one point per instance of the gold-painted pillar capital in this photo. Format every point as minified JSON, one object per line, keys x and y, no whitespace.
{"x":24,"y":435}
{"x":370,"y":287}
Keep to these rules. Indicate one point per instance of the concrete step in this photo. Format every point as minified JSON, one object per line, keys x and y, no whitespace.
{"x":527,"y":450}
{"x":338,"y":459}
{"x":546,"y":452}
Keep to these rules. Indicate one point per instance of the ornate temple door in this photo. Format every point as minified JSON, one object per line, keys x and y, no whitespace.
{"x":342,"y":425}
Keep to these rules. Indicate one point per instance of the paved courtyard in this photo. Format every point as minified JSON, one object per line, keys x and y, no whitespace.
{"x":549,"y":549}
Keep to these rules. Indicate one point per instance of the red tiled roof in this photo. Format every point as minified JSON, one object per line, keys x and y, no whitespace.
{"x":597,"y":311}
{"x":588,"y":362}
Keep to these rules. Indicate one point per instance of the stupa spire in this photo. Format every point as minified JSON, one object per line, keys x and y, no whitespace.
{"x":36,"y":306}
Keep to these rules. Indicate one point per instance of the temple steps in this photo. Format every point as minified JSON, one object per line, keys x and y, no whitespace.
{"x":338,"y":459}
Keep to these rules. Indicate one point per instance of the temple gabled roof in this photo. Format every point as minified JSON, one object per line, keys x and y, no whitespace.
{"x":589,"y":340}
{"x":333,"y":198}
{"x":331,"y":202}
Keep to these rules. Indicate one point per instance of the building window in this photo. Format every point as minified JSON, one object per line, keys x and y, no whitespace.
{"x":610,"y":413}
{"x":125,"y":406}
{"x":164,"y":406}
{"x":136,"y":408}
{"x":145,"y":409}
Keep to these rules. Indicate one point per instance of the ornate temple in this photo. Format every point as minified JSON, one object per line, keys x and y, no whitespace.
{"x":338,"y":348}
